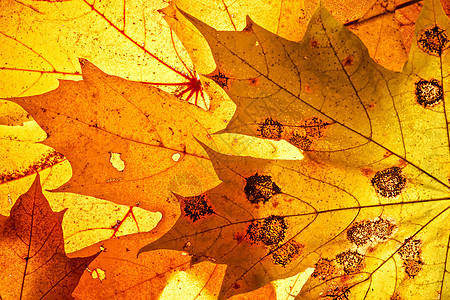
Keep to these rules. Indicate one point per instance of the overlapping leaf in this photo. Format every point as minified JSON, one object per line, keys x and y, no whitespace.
{"x":367,"y":205}
{"x":149,"y":133}
{"x":32,"y":258}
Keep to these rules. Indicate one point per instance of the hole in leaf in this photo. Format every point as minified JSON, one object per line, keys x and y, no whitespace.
{"x":389,"y":182}
{"x":176,"y":157}
{"x":116,"y":161}
{"x":98,"y":274}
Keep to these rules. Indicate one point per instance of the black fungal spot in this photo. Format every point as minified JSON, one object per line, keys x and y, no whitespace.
{"x":339,"y":293}
{"x":300,"y":141}
{"x":270,"y":129}
{"x":221,"y":79}
{"x":410,"y":253}
{"x":197,"y":207}
{"x":351,"y":261}
{"x":433,"y":41}
{"x":365,"y":232}
{"x":260,"y":188}
{"x":389,"y":182}
{"x":412,"y":267}
{"x":270,"y":231}
{"x":411,"y":249}
{"x":286,"y":253}
{"x":429,"y":92}
{"x":324,"y":269}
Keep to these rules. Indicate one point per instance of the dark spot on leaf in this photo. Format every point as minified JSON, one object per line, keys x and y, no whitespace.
{"x":348,"y":61}
{"x":270,"y":129}
{"x":389,"y":182}
{"x":371,"y":106}
{"x":433,"y":40}
{"x":412,"y":267}
{"x":339,"y":293}
{"x":429,"y":92}
{"x":286,"y":253}
{"x":308,"y":89}
{"x":351,"y":261}
{"x":220,"y":78}
{"x":396,"y":296}
{"x":197,"y":207}
{"x":314,"y":44}
{"x":411,"y":249}
{"x":238,"y":236}
{"x":300,"y":141}
{"x":248,"y":27}
{"x":324,"y":269}
{"x":270,"y":231}
{"x":365,"y":232}
{"x":410,"y":253}
{"x":236,"y":286}
{"x":45,"y":161}
{"x":367,"y":171}
{"x":254,"y":81}
{"x":260,"y":188}
{"x":308,"y":132}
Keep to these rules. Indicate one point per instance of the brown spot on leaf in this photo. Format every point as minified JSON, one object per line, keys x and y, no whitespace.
{"x":429,"y":92}
{"x":367,"y":171}
{"x":45,"y":161}
{"x":412,"y":267}
{"x":308,"y":132}
{"x":339,"y":293}
{"x":396,"y":296}
{"x":308,"y":89}
{"x":368,"y":231}
{"x":249,"y":26}
{"x":314,"y":44}
{"x":410,"y":249}
{"x":389,"y":182}
{"x":254,"y":81}
{"x":348,"y":61}
{"x":433,"y":40}
{"x":270,"y":231}
{"x":236,"y":286}
{"x":221,"y":78}
{"x":324,"y":269}
{"x":196,"y":207}
{"x":239,"y":237}
{"x":286,"y":253}
{"x":270,"y":129}
{"x":351,"y":261}
{"x":302,"y":142}
{"x":260,"y":188}
{"x":410,"y":253}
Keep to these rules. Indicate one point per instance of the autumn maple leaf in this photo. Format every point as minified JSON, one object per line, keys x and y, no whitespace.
{"x":367,"y":205}
{"x":128,"y":142}
{"x":32,"y":258}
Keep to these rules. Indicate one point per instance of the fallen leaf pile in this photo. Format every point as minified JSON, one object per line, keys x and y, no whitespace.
{"x":293,"y":157}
